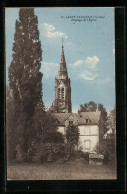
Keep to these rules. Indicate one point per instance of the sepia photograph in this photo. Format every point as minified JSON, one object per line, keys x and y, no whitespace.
{"x":60,"y":93}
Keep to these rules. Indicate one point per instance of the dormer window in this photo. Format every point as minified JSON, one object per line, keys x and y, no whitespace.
{"x":70,"y":122}
{"x":88,"y":120}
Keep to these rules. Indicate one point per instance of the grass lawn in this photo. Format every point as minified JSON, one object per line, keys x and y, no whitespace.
{"x":75,"y":170}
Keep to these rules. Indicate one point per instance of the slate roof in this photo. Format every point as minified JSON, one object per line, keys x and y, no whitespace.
{"x":81,"y":117}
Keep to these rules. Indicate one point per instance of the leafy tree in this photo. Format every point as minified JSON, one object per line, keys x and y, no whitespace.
{"x":51,"y":130}
{"x":10,"y":130}
{"x":109,"y":144}
{"x":54,"y":107}
{"x":111,"y":121}
{"x":72,"y":134}
{"x":38,"y":122}
{"x":104,"y":116}
{"x":109,"y":148}
{"x":72,"y":137}
{"x":90,"y":106}
{"x":103,"y":111}
{"x":45,"y":127}
{"x":24,"y":75}
{"x":47,"y":136}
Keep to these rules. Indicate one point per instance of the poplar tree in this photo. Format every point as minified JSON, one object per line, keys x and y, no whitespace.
{"x":24,"y":75}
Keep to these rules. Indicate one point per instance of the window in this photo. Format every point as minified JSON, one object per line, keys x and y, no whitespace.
{"x":62,"y":93}
{"x":87,"y":145}
{"x":70,"y":122}
{"x":59,"y":93}
{"x":87,"y":120}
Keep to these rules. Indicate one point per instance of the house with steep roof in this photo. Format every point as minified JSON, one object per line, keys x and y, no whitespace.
{"x":90,"y":124}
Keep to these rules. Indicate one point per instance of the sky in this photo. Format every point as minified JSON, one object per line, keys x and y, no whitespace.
{"x":89,"y":48}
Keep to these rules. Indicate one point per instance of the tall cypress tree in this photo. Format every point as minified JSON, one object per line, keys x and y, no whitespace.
{"x":24,"y":75}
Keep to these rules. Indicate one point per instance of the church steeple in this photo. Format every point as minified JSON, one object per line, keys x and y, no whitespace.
{"x":62,"y":87}
{"x":62,"y":66}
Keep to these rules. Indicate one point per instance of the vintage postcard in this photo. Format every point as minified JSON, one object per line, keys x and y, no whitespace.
{"x":60,"y":93}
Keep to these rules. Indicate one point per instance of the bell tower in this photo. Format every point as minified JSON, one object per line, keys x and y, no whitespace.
{"x":62,"y":87}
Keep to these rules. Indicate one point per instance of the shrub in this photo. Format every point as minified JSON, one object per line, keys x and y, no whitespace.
{"x":40,"y":152}
{"x":77,"y":154}
{"x":43,"y":152}
{"x":109,"y":149}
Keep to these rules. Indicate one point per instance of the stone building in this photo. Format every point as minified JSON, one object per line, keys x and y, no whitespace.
{"x":90,"y":124}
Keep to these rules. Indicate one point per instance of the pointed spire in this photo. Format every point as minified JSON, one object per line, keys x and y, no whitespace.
{"x":62,"y":67}
{"x":62,"y":42}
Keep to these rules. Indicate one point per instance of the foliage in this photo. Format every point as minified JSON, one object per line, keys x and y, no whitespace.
{"x":51,"y":145}
{"x":40,"y":152}
{"x":72,"y":137}
{"x":54,"y":137}
{"x":103,"y":111}
{"x":79,"y":154}
{"x":51,"y":129}
{"x":109,"y":144}
{"x":10,"y":129}
{"x":54,"y":108}
{"x":104,"y":116}
{"x":90,"y":106}
{"x":24,"y":75}
{"x":38,"y":121}
{"x":72,"y":134}
{"x":46,"y":152}
{"x":109,"y":148}
{"x":45,"y":126}
{"x":111,"y":121}
{"x":46,"y":135}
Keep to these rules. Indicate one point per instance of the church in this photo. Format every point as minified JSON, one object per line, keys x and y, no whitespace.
{"x":90,"y":124}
